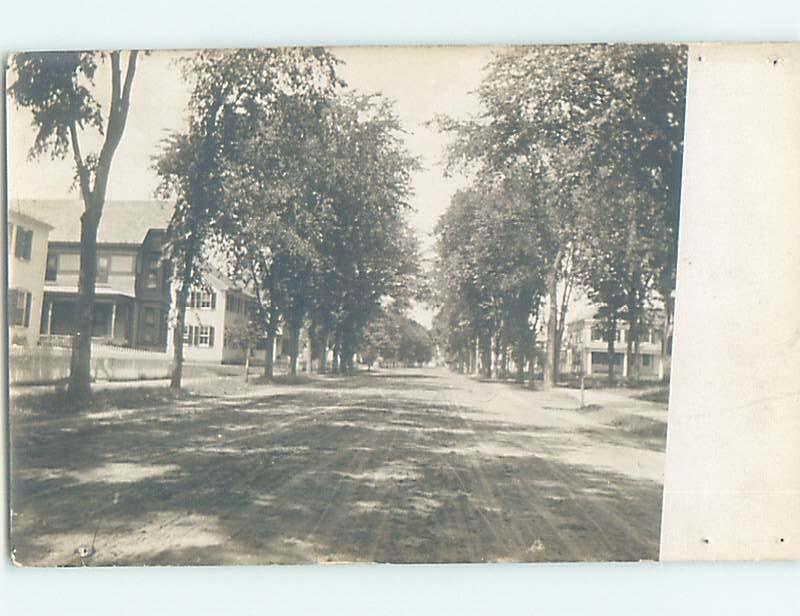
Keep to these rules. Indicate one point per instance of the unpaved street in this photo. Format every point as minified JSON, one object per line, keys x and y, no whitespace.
{"x":394,"y":466}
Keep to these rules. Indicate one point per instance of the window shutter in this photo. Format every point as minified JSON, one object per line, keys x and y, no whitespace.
{"x":190,"y":335}
{"x":10,"y":236}
{"x":213,"y":301}
{"x":196,"y":336}
{"x":27,"y":313}
{"x":19,"y":242}
{"x":28,"y":245}
{"x":210,"y":336}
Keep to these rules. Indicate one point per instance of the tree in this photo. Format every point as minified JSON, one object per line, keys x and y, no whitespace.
{"x":57,"y":88}
{"x":366,"y":251}
{"x":582,"y":127}
{"x":392,"y":337}
{"x":236,"y":95}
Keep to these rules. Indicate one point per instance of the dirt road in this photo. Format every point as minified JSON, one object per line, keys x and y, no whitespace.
{"x":401,"y":466}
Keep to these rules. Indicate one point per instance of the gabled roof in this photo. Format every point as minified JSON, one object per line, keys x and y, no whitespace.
{"x":123,"y":222}
{"x":221,"y":282}
{"x":15,"y":214}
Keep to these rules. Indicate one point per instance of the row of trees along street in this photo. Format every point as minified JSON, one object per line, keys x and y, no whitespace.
{"x":574,"y":166}
{"x":298,"y":183}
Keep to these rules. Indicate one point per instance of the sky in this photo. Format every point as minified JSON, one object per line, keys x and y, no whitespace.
{"x":422,"y":82}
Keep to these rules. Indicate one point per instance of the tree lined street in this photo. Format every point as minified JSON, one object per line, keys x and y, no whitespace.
{"x":407,"y":406}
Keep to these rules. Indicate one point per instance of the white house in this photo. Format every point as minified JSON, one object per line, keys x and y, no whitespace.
{"x":27,"y":261}
{"x":585,"y":348}
{"x":217,"y":314}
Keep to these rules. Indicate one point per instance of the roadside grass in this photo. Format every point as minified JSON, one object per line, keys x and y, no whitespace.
{"x":59,"y":402}
{"x":659,"y":395}
{"x":643,"y":427}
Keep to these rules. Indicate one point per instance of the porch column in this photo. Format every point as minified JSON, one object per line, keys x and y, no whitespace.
{"x":660,"y":359}
{"x":113,"y":318}
{"x":624,"y":363}
{"x":587,"y":358}
{"x":49,"y":317}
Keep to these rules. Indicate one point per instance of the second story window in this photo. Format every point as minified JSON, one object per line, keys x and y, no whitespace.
{"x":205,"y":300}
{"x":152,"y":270}
{"x":23,"y":243}
{"x":601,"y":333}
{"x":51,"y":273}
{"x":103,"y":267}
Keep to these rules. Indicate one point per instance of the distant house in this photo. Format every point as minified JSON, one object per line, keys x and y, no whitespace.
{"x":585,"y":348}
{"x":217,"y":314}
{"x":132,"y":285}
{"x":27,"y":258}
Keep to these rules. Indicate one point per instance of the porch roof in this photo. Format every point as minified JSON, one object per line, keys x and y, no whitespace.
{"x":99,"y":292}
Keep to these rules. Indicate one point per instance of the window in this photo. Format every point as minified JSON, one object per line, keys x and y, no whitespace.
{"x":205,"y":336}
{"x":234,"y":304}
{"x":152,"y":270}
{"x":208,"y":300}
{"x":653,"y":336}
{"x":19,"y":307}
{"x":200,"y":335}
{"x":51,"y":273}
{"x":23,"y":243}
{"x":101,"y":320}
{"x":646,"y":360}
{"x":103,"y":267}
{"x":601,"y":358}
{"x":601,"y":333}
{"x":150,"y":325}
{"x":203,"y":299}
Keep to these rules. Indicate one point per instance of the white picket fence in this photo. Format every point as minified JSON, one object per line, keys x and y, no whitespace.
{"x":50,"y":364}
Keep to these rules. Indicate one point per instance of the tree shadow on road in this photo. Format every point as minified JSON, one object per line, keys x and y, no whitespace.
{"x":314,"y":477}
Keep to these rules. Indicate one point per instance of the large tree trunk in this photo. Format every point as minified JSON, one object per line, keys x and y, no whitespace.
{"x":269,"y":355}
{"x":632,"y":347}
{"x":552,"y":333}
{"x":519,"y":361}
{"x":335,"y":362}
{"x":612,"y":354}
{"x":532,"y":363}
{"x":247,"y":361}
{"x":557,"y":356}
{"x":323,"y":351}
{"x":176,"y":374}
{"x":294,"y":345}
{"x":486,"y":355}
{"x":80,"y":375}
{"x":665,"y":334}
{"x":346,"y":356}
